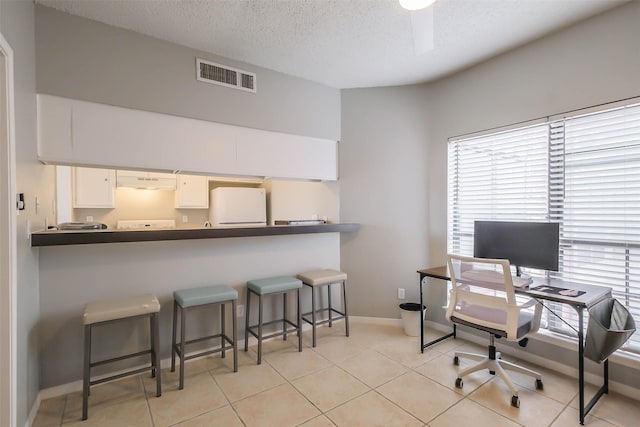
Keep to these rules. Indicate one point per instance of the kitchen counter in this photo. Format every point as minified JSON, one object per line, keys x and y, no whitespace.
{"x":83,"y":237}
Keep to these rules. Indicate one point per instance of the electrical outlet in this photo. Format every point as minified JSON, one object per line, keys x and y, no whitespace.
{"x":89,"y":218}
{"x":239,"y":310}
{"x":185,"y":219}
{"x":400,"y":293}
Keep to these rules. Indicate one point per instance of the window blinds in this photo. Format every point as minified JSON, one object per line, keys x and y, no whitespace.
{"x":500,"y":176}
{"x":581,"y":171}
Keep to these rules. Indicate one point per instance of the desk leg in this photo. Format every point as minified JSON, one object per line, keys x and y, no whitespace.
{"x":437,"y":340}
{"x":581,"y":363}
{"x":584,"y":410}
{"x":421,"y":320}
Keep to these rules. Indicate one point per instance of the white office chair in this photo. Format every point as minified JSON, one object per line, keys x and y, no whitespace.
{"x":483,"y":298}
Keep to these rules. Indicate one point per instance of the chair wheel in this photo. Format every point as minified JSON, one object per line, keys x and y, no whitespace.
{"x":456,"y":360}
{"x":515,"y":401}
{"x":459,"y":383}
{"x":539,"y":385}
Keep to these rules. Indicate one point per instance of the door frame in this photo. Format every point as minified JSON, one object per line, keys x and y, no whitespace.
{"x":8,"y":240}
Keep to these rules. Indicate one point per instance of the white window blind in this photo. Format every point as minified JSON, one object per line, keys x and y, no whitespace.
{"x":500,"y":176}
{"x":583,"y":172}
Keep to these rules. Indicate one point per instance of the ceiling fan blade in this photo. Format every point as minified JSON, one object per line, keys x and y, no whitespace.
{"x":422,"y":29}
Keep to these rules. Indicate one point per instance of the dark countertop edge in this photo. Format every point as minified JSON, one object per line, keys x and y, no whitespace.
{"x":60,"y":238}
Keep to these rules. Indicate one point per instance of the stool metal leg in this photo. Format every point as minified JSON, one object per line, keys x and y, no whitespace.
{"x":259,"y":329}
{"x":86,"y":375}
{"x":313,"y":315}
{"x":246,"y":321}
{"x":284,"y":316}
{"x":182,"y":340}
{"x":152,"y":340}
{"x":329,"y":297}
{"x":155,"y":340}
{"x":234,"y":335}
{"x":344,"y":302}
{"x":173,"y":336}
{"x":299,"y":319}
{"x":223,"y":330}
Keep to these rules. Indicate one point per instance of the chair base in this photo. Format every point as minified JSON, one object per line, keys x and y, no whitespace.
{"x":494,"y":363}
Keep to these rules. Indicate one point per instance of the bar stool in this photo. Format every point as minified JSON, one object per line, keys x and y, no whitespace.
{"x":102,"y":312}
{"x":317,"y":279}
{"x":280,"y":285}
{"x":186,"y":299}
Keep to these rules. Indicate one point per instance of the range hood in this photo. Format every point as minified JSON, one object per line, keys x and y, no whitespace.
{"x":146,"y":180}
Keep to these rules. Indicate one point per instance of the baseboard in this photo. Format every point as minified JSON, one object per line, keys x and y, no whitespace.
{"x":76,"y":386}
{"x":33,"y":412}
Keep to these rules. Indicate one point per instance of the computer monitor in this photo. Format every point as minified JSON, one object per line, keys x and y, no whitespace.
{"x":524,"y":244}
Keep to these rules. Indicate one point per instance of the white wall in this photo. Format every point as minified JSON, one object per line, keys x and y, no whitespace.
{"x":86,"y":60}
{"x":592,"y":63}
{"x":384,"y":166}
{"x":394,"y":160}
{"x":73,"y":275}
{"x":17,"y":26}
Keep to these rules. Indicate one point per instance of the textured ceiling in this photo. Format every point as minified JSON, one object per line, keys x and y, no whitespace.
{"x":342,"y":43}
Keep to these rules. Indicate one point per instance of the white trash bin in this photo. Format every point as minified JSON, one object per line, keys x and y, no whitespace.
{"x":410,"y":313}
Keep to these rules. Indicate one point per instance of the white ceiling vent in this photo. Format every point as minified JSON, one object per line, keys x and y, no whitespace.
{"x":223,"y":75}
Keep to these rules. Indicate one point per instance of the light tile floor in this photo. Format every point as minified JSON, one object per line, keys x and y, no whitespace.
{"x":376,"y":377}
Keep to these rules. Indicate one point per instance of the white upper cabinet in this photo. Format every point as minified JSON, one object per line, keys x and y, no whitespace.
{"x":94,"y":188}
{"x":192,"y":192}
{"x":55,"y":143}
{"x":86,"y":133}
{"x":279,"y":155}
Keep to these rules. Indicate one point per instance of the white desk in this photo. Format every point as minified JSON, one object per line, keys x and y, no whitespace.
{"x":592,"y":296}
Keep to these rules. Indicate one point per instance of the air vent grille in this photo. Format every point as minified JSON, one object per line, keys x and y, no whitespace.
{"x":211,"y":72}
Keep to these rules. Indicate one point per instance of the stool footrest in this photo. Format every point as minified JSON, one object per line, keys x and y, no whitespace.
{"x":122,"y":375}
{"x":322,"y":310}
{"x":275,"y":334}
{"x":117,"y":359}
{"x":178,"y":350}
{"x":322,"y":322}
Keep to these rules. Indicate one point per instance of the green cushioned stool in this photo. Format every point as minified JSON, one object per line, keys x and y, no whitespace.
{"x":280,"y":285}
{"x":101,"y":313}
{"x":186,"y":299}
{"x":318,"y":279}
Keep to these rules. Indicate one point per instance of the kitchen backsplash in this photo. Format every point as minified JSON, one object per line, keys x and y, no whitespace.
{"x":285,"y":200}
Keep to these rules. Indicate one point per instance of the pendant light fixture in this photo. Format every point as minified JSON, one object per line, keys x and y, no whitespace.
{"x":416,"y":4}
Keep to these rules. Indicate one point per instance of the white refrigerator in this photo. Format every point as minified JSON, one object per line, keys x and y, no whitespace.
{"x":238,"y":206}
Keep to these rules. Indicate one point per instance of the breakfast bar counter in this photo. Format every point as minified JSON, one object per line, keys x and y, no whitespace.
{"x":83,"y":237}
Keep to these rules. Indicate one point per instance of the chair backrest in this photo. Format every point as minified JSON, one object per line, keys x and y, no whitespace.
{"x":483,"y":296}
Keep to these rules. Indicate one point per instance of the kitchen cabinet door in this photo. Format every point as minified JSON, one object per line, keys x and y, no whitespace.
{"x":134,"y":139}
{"x":54,"y":129}
{"x":192,"y":192}
{"x":280,"y":155}
{"x":94,"y":188}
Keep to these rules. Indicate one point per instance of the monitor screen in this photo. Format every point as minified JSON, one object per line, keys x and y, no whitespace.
{"x":524,"y":244}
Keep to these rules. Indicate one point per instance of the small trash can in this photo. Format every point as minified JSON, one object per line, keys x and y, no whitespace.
{"x":411,"y":318}
{"x":610,"y":326}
